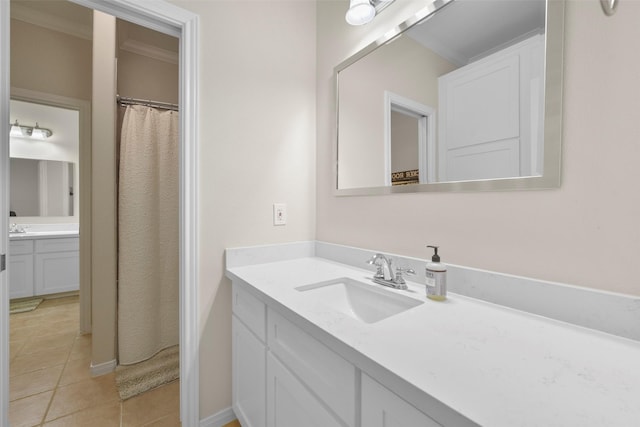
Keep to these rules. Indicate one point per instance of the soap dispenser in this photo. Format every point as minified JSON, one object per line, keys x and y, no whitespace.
{"x":436,"y":277}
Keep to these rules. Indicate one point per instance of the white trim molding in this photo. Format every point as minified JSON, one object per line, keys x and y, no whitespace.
{"x":153,"y":52}
{"x":219,"y":419}
{"x":169,"y":19}
{"x":103,"y":368}
{"x":426,"y":116}
{"x":5,"y":19}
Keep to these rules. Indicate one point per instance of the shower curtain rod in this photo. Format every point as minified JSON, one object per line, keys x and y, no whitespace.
{"x":123,"y":101}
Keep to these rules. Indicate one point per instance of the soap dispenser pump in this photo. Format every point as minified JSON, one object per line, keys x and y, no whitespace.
{"x":436,"y":274}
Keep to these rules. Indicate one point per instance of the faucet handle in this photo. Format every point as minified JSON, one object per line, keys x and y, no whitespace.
{"x":399,"y":278}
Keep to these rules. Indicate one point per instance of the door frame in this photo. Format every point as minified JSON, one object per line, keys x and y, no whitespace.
{"x":426,"y":116}
{"x":173,"y":20}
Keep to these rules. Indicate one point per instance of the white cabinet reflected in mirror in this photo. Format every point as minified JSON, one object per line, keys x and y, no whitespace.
{"x":461,"y":97}
{"x":43,"y":170}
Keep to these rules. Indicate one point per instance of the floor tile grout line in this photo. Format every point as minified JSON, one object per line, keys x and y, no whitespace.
{"x":55,"y":389}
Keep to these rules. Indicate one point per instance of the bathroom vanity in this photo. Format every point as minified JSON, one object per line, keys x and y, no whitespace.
{"x":43,"y":262}
{"x":311,"y":349}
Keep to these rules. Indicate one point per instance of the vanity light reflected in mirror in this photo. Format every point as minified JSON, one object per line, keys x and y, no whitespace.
{"x":43,"y":167}
{"x":23,"y":131}
{"x":463,"y":96}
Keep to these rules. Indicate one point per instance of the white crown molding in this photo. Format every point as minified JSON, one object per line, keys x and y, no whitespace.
{"x":32,"y":16}
{"x":140,"y":48}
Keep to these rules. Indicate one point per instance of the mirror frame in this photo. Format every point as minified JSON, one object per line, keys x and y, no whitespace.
{"x":551,"y":178}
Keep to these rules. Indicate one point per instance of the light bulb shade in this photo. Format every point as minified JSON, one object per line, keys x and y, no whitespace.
{"x":40,"y":133}
{"x":16,"y":130}
{"x":360,"y":12}
{"x":21,"y":131}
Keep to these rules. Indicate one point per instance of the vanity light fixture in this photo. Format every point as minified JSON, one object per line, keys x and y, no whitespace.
{"x":362,"y":12}
{"x":22,"y":131}
{"x":609,"y":6}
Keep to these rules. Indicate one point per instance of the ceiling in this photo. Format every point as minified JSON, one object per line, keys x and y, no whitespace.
{"x":465,"y":30}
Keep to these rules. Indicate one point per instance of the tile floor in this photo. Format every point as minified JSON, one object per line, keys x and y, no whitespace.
{"x":50,"y":384}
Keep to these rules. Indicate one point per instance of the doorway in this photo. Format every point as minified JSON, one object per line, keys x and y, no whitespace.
{"x":183,"y":24}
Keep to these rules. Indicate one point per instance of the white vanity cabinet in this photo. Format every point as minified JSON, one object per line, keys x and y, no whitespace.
{"x":326,"y":375}
{"x":382,"y":408}
{"x":290,"y":379}
{"x":290,"y":403}
{"x":57,"y":266}
{"x":285,"y":377}
{"x":249,"y":369}
{"x":43,"y":266}
{"x":20,"y":269}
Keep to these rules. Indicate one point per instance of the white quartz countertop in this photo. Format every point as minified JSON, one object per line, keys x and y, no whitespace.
{"x":53,"y":234}
{"x":494,"y":365}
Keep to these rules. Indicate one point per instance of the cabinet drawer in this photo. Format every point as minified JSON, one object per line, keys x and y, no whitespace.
{"x":250,"y":310}
{"x":331,"y":377}
{"x":57,"y":245}
{"x":20,"y":247}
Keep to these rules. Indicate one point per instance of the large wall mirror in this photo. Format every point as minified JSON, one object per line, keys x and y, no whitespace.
{"x":464,"y":96}
{"x":43,"y":165}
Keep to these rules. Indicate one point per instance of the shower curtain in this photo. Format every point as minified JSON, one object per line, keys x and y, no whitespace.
{"x":147,"y":234}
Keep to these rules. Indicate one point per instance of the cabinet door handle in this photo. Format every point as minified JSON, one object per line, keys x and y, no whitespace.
{"x":3,"y":262}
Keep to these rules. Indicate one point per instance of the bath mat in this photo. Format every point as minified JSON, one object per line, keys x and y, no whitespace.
{"x":24,"y":305}
{"x":162,"y":368}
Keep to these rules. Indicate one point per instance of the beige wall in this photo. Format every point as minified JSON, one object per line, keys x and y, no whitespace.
{"x":147,"y":78}
{"x":585,"y":233}
{"x":257,"y":133}
{"x":49,"y":61}
{"x":103,"y":167}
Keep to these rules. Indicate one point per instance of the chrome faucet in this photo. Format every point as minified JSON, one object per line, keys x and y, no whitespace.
{"x":17,"y":228}
{"x":385,"y":274}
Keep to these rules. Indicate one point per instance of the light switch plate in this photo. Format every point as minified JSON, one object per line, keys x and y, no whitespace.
{"x":279,"y":214}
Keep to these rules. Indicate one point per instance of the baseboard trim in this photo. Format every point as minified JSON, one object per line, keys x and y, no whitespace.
{"x":219,"y":418}
{"x":103,"y":368}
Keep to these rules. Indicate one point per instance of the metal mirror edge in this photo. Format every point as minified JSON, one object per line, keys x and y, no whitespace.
{"x":554,"y":67}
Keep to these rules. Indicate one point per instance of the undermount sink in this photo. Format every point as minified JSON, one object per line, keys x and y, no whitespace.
{"x":361,"y":301}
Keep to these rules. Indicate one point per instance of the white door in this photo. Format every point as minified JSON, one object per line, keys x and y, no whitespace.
{"x":4,"y":211}
{"x":480,"y":122}
{"x":491,"y":115}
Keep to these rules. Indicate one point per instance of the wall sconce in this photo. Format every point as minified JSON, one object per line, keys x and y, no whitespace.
{"x":362,"y":12}
{"x":22,"y":131}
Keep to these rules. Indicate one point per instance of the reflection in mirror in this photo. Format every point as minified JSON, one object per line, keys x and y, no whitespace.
{"x":43,"y":172}
{"x":456,"y":99}
{"x":41,"y":187}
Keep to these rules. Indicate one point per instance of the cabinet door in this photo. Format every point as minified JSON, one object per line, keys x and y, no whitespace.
{"x":249,"y":376}
{"x":57,"y":272}
{"x":383,"y":408}
{"x":20,"y":276}
{"x":291,"y":404}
